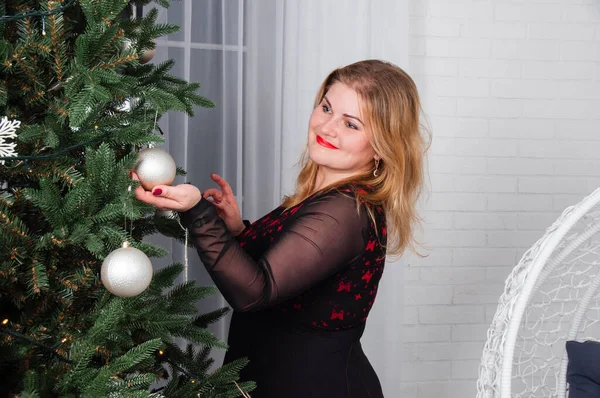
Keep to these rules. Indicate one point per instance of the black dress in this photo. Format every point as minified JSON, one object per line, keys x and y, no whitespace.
{"x":301,"y":282}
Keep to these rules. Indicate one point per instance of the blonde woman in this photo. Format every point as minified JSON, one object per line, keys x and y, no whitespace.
{"x":303,"y":278}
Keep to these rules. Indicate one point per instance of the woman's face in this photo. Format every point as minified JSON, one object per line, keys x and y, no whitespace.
{"x":337,"y":139}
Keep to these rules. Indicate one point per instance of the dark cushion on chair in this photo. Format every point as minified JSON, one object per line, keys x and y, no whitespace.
{"x":583,"y":370}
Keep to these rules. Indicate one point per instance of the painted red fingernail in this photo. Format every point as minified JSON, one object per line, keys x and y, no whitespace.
{"x":217,"y":201}
{"x":157,"y":192}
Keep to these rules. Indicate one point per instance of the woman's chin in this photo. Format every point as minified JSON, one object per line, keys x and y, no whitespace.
{"x":319,"y":160}
{"x":318,"y":154}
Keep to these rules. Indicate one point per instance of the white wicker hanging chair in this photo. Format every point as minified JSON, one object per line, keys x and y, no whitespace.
{"x":550,"y":297}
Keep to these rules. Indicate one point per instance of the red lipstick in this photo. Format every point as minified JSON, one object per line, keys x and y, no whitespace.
{"x":324,"y":143}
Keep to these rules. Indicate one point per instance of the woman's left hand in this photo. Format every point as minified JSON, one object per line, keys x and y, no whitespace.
{"x":178,"y":198}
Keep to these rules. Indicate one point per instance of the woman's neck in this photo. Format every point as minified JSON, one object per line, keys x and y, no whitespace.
{"x":326,"y":178}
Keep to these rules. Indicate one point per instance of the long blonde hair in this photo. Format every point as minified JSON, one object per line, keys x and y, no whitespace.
{"x":392,"y":110}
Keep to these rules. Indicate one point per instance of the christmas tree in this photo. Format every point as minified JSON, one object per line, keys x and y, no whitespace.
{"x":79,"y":100}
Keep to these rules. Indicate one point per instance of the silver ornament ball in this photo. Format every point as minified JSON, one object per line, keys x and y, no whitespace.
{"x":155,"y":167}
{"x":126,"y":272}
{"x":147,"y":55}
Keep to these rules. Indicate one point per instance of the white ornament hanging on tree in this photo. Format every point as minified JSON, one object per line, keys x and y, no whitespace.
{"x":8,"y":130}
{"x":147,"y":55}
{"x":126,"y":272}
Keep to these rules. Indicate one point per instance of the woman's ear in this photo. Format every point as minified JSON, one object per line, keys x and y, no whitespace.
{"x":376,"y":157}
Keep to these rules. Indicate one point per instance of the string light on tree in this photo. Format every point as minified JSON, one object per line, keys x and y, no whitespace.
{"x":126,"y":272}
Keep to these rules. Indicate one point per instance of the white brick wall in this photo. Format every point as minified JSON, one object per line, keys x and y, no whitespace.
{"x":511,"y":89}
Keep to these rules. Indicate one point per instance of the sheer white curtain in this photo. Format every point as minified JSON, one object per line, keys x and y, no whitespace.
{"x":261,"y":62}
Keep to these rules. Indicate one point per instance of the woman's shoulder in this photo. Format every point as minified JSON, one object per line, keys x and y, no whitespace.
{"x":345,"y":199}
{"x":360,"y":193}
{"x":358,"y":196}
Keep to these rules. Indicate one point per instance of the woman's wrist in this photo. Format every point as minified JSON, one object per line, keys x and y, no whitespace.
{"x":239,"y":229}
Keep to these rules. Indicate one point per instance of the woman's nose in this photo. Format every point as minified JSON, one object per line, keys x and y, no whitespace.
{"x":330,"y":126}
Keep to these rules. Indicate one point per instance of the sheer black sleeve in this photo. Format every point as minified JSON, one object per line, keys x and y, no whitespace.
{"x":324,"y":236}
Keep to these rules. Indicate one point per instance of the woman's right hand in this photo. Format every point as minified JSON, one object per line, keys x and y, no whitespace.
{"x":165,"y":197}
{"x":226,"y":205}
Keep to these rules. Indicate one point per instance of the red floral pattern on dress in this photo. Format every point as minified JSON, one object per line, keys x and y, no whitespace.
{"x":345,"y":299}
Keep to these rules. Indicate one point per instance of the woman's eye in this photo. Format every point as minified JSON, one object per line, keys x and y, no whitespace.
{"x":326,"y":109}
{"x":351,"y":125}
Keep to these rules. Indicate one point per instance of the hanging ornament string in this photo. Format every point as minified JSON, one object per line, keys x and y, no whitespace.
{"x":185,"y":251}
{"x":244,"y":394}
{"x":155,"y":121}
{"x":174,"y":215}
{"x":125,"y":218}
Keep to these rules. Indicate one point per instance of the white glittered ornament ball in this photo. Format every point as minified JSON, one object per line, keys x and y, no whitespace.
{"x":155,"y":167}
{"x":126,"y":272}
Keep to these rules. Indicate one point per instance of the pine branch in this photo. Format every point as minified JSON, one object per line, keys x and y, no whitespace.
{"x":62,"y":152}
{"x":116,"y":62}
{"x":209,"y":318}
{"x":12,"y":226}
{"x":39,"y":278}
{"x":56,"y":28}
